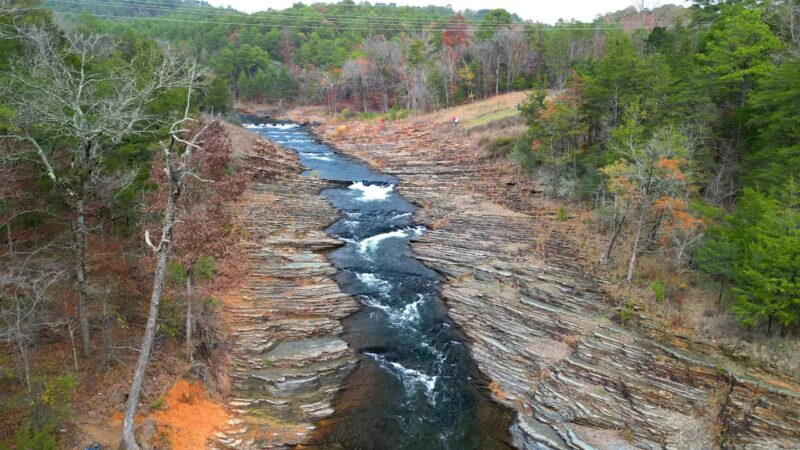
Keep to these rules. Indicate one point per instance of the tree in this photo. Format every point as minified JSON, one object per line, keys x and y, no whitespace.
{"x":455,"y":41}
{"x":757,"y":248}
{"x":557,"y":134}
{"x":177,"y":172}
{"x":204,"y":229}
{"x":75,"y":101}
{"x":493,"y":20}
{"x":738,"y":53}
{"x":26,"y":290}
{"x":383,"y":57}
{"x":217,"y":98}
{"x":415,"y":69}
{"x":652,"y":173}
{"x":775,"y":151}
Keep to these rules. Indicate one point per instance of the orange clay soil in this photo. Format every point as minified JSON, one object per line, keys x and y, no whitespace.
{"x":187,"y":419}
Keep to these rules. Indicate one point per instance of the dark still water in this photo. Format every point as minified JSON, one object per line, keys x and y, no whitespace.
{"x":415,"y":386}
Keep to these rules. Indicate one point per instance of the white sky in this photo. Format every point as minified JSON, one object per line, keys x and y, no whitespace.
{"x":547,"y":11}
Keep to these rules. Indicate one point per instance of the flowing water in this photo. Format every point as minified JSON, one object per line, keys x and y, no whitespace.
{"x":415,"y":386}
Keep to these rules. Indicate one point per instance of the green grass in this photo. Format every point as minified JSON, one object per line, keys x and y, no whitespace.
{"x":491,"y":117}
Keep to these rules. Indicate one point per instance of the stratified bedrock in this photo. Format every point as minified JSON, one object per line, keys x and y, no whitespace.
{"x":547,"y":336}
{"x":287,"y":360}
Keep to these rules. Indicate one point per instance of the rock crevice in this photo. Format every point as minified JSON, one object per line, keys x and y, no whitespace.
{"x":287,"y":361}
{"x":541,"y":327}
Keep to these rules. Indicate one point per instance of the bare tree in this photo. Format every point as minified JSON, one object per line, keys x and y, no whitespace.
{"x":176,"y":171}
{"x":356,"y":80}
{"x":71,"y":113}
{"x":25,"y":291}
{"x":384,"y":57}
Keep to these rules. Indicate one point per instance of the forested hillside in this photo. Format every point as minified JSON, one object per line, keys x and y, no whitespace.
{"x":106,"y":200}
{"x":368,"y":57}
{"x":678,"y":127}
{"x":686,"y":141}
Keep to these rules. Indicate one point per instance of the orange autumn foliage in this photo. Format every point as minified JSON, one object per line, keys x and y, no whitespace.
{"x":673,"y":167}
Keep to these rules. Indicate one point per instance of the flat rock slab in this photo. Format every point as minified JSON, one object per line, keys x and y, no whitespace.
{"x":299,"y":353}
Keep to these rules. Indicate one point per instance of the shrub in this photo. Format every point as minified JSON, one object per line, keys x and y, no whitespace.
{"x":204,"y":268}
{"x":176,"y":274}
{"x":48,"y":406}
{"x":500,"y":146}
{"x":627,"y":312}
{"x":659,"y":290}
{"x":562,"y":215}
{"x":398,"y":113}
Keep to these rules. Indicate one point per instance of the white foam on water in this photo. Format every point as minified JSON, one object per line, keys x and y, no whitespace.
{"x":279,"y":126}
{"x":410,"y":312}
{"x":371,"y":243}
{"x":400,"y":216}
{"x":318,"y":158}
{"x":371,"y":280}
{"x":411,"y":378}
{"x":371,"y":302}
{"x":372,"y":192}
{"x":440,"y":357}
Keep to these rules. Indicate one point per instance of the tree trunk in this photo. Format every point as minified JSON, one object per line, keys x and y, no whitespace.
{"x":128,"y":439}
{"x":384,"y":93}
{"x":606,"y":256}
{"x":635,"y":251}
{"x":497,"y":77}
{"x":79,"y":231}
{"x":651,"y":239}
{"x":189,"y":313}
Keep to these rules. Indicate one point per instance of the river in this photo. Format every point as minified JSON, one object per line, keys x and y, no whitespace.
{"x":415,"y":386}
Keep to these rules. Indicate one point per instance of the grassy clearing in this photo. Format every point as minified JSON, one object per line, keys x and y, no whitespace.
{"x":491,"y":117}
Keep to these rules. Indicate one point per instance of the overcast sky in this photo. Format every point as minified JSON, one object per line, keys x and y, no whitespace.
{"x":547,"y":11}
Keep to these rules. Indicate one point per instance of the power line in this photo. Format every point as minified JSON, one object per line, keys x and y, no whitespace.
{"x":423,"y":25}
{"x":522,"y":29}
{"x":287,"y":13}
{"x":264,"y":15}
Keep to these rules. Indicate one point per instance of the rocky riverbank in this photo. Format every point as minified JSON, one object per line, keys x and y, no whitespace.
{"x":287,"y":361}
{"x":581,"y":371}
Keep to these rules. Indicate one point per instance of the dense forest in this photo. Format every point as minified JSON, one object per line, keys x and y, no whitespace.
{"x":680,"y":125}
{"x":357,"y":56}
{"x":686,"y":139}
{"x":668,"y":119}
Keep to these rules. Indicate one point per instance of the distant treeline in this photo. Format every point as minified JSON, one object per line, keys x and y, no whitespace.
{"x":368,"y":57}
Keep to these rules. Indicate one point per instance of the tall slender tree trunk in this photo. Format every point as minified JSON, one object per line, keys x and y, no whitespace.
{"x":9,"y":238}
{"x":162,"y":251}
{"x":606,"y":256}
{"x":79,"y":232}
{"x":497,"y":77}
{"x":189,"y":314}
{"x":635,"y":250}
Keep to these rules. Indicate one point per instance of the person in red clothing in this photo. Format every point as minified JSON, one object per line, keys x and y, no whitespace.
{"x":455,"y":121}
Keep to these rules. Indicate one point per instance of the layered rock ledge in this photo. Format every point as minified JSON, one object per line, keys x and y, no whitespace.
{"x":287,"y":361}
{"x":579,"y":374}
